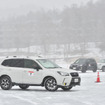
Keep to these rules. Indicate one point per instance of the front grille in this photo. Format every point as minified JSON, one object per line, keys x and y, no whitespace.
{"x":74,"y":74}
{"x":73,"y":83}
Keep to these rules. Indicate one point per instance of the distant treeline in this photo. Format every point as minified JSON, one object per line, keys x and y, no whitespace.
{"x":76,"y":24}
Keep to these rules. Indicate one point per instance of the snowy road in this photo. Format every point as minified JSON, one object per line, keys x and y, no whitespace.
{"x":89,"y":93}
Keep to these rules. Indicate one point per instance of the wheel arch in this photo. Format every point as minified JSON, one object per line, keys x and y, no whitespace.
{"x":8,"y":83}
{"x":103,"y":66}
{"x":46,"y":78}
{"x":4,"y":76}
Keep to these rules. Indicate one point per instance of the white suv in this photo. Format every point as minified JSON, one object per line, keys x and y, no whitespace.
{"x":101,"y":65}
{"x":26,"y":72}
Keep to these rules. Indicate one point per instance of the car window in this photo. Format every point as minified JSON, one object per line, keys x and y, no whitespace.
{"x":13,"y":63}
{"x":30,"y":64}
{"x":102,"y":61}
{"x":80,"y":61}
{"x":17,"y":63}
{"x":91,"y":60}
{"x":47,"y":63}
{"x":7,"y":62}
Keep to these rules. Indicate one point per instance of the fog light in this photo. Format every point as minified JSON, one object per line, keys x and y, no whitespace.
{"x":65,"y":84}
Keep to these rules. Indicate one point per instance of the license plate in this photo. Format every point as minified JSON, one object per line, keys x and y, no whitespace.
{"x":74,"y":68}
{"x":75,"y":80}
{"x":89,"y":65}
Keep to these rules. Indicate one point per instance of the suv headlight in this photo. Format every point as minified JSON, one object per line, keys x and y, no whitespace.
{"x":63,"y":73}
{"x":81,"y":65}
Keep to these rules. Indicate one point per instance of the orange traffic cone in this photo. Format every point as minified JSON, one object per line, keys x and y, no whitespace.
{"x":98,"y":77}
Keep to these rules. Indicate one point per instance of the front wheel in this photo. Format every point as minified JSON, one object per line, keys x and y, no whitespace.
{"x":6,"y":83}
{"x":51,"y":84}
{"x":83,"y":69}
{"x":66,"y":88}
{"x":23,"y":86}
{"x":95,"y":69}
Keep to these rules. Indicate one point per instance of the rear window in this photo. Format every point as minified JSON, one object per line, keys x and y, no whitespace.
{"x":13,"y":63}
{"x":91,"y":60}
{"x":6,"y":62}
{"x":102,"y":61}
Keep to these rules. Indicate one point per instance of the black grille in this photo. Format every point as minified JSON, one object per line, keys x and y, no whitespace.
{"x":74,"y":74}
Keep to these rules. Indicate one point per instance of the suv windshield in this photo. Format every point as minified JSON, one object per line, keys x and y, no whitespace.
{"x":80,"y":61}
{"x":47,"y":63}
{"x":102,"y":61}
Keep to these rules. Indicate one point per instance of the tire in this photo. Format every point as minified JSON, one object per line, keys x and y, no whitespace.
{"x":51,"y":84}
{"x":103,"y":69}
{"x":6,"y":83}
{"x":83,"y":70}
{"x":23,"y":86}
{"x":95,"y":69}
{"x":66,"y":88}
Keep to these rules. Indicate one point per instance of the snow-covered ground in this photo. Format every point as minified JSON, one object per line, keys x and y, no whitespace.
{"x":89,"y":93}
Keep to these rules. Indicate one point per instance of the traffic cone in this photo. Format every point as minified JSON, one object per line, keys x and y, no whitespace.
{"x":98,"y":78}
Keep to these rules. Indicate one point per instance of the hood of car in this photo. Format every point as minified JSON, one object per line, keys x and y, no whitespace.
{"x":63,"y":70}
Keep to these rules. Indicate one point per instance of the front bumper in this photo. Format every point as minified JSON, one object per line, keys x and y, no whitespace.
{"x":75,"y":81}
{"x":76,"y":67}
{"x":71,"y":80}
{"x":99,"y":67}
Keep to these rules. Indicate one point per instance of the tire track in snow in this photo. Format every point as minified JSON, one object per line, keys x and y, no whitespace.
{"x":81,"y":102}
{"x":20,"y":98}
{"x":40,"y":101}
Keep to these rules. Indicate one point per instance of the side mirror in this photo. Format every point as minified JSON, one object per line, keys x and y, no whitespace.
{"x":37,"y":68}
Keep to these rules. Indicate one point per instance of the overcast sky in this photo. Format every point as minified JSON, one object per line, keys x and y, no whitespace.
{"x":10,"y":8}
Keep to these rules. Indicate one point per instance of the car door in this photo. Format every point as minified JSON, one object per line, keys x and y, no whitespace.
{"x":32,"y":72}
{"x":92,"y":63}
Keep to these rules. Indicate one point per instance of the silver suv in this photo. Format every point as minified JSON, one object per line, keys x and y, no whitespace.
{"x":101,"y":65}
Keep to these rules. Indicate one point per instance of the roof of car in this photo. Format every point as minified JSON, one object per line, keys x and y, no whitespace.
{"x":21,"y":57}
{"x":86,"y":58}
